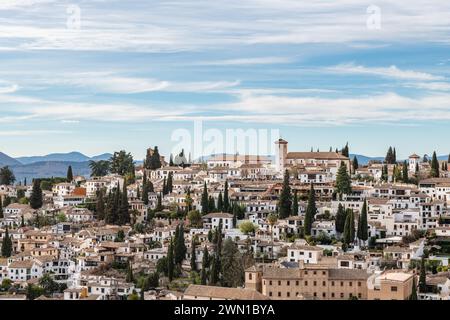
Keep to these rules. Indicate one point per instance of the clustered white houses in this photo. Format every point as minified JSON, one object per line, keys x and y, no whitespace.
{"x":83,"y":252}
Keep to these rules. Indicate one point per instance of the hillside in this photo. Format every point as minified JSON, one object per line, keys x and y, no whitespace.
{"x":6,"y":160}
{"x":47,"y":169}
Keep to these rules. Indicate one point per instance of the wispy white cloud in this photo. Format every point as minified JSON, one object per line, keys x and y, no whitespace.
{"x":387,"y":72}
{"x":247,"y":61}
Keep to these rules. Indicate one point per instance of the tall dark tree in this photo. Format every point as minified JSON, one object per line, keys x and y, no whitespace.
{"x":220,"y":202}
{"x":340,"y":219}
{"x":169,"y":185}
{"x":405,"y":177}
{"x":145,"y":188}
{"x":171,"y":160}
{"x":205,"y":266}
{"x":434,"y":166}
{"x":285,"y":201}
{"x":211,"y":204}
{"x":422,"y":277}
{"x":226,"y":199}
{"x":413,"y":295}
{"x":6,"y":176}
{"x":170,"y":261}
{"x":122,"y":163}
{"x":362,"y":223}
{"x":110,"y":210}
{"x":36,"y":198}
{"x":349,"y":228}
{"x":343,"y":181}
{"x":100,"y":206}
{"x":204,"y":201}
{"x":180,"y":246}
{"x":7,"y":246}
{"x":390,"y":156}
{"x":311,"y":211}
{"x":345,"y":151}
{"x":232,"y":266}
{"x":193,"y":255}
{"x":124,"y":213}
{"x":295,"y":204}
{"x":69,"y":174}
{"x":355,"y":164}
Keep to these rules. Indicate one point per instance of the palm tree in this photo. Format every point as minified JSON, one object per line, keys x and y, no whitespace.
{"x":99,"y":168}
{"x":272,"y":219}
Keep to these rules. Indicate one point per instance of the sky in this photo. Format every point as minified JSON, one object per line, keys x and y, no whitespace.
{"x":104,"y":75}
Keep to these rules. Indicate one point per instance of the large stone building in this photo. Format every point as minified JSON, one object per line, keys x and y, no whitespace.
{"x":308,"y":281}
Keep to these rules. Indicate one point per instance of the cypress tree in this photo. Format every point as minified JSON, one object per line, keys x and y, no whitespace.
{"x":171,"y":160}
{"x":6,"y":244}
{"x":205,"y":203}
{"x":394,"y":156}
{"x":164,"y":188}
{"x":205,"y":266}
{"x":169,"y":186}
{"x":347,"y":237}
{"x":362,"y":224}
{"x":193,"y":256}
{"x":352,"y":225}
{"x":138,"y":192}
{"x":124,"y":213}
{"x":226,"y":199}
{"x":159,"y":206}
{"x":36,"y":199}
{"x":22,"y":221}
{"x":1,"y":208}
{"x":422,"y":277}
{"x":170,"y":261}
{"x":180,"y":246}
{"x":145,"y":189}
{"x":285,"y":201}
{"x":434,"y":166}
{"x":405,"y":177}
{"x":389,"y":156}
{"x":355,"y":164}
{"x":69,"y":174}
{"x":100,"y":206}
{"x":414,"y":290}
{"x":311,"y":210}
{"x":211,"y":204}
{"x":295,"y":204}
{"x":340,"y":219}
{"x":345,"y":151}
{"x":343,"y":181}
{"x":129,"y":277}
{"x":220,"y":202}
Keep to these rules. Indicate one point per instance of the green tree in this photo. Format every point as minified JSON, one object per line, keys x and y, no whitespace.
{"x":285,"y":200}
{"x":355,"y":164}
{"x":405,"y":177}
{"x":180,"y":246}
{"x":169,"y":186}
{"x":170,"y":261}
{"x":343,"y":181}
{"x":247,"y":227}
{"x":362,"y":224}
{"x":311,"y":211}
{"x":130,"y":276}
{"x":349,"y":228}
{"x":7,"y":245}
{"x":204,"y":201}
{"x":340,"y":219}
{"x":422,"y":277}
{"x":345,"y":151}
{"x":69,"y":174}
{"x":211,"y":204}
{"x":413,"y":295}
{"x":6,"y":176}
{"x":205,"y":266}
{"x":193,"y":255}
{"x":195,"y":218}
{"x":36,"y":198}
{"x":99,"y":168}
{"x":226,"y":199}
{"x":124,"y":213}
{"x":122,"y":163}
{"x":1,"y":208}
{"x":100,"y":205}
{"x":220,"y":202}
{"x":434,"y":166}
{"x":295,"y":204}
{"x":145,"y":188}
{"x":232,"y":267}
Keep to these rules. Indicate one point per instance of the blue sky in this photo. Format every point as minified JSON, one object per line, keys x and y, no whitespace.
{"x":135,"y":71}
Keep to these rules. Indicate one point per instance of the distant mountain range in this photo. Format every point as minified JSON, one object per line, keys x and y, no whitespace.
{"x":71,"y":156}
{"x":51,"y":165}
{"x":365,"y":160}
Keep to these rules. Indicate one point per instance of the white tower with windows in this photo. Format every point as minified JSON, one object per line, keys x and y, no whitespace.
{"x":281,"y":154}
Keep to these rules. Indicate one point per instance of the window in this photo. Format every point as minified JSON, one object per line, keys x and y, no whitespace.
{"x":297,"y":283}
{"x":342,"y":294}
{"x":306,"y":283}
{"x":323,"y":283}
{"x":288,"y":294}
{"x":350,"y":283}
{"x":332,"y":294}
{"x":324,"y":294}
{"x":315,"y":294}
{"x":270,"y":293}
{"x":332,"y":283}
{"x":249,"y":276}
{"x":306,"y":272}
{"x":324,"y":272}
{"x":359,"y":295}
{"x":315,"y":283}
{"x":359,"y":283}
{"x":315,"y":272}
{"x":270,"y":282}
{"x":394,"y":289}
{"x":279,"y":283}
{"x":279,"y":293}
{"x":288,"y":283}
{"x":342,"y":283}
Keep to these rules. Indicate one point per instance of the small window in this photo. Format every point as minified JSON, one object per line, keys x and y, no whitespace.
{"x":394,"y":289}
